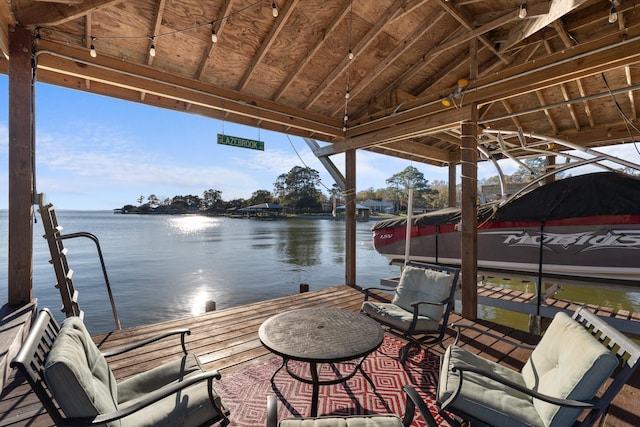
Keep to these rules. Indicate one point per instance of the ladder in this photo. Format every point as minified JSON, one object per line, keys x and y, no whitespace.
{"x":64,"y":274}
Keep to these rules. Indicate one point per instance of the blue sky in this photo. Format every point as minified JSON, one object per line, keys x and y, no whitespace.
{"x":96,"y":152}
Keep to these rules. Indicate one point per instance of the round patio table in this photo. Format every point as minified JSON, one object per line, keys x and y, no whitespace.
{"x":321,"y":335}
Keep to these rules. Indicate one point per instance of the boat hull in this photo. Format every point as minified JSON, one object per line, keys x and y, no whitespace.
{"x":589,"y":249}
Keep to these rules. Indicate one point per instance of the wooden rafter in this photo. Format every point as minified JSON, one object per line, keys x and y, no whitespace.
{"x":155,"y":29}
{"x":6,"y":21}
{"x":342,"y":67}
{"x":466,"y":22}
{"x":318,"y":43}
{"x":632,"y":100}
{"x":50,"y":14}
{"x":585,"y":103}
{"x":516,"y":120}
{"x":218,"y":26}
{"x":396,"y":53}
{"x":557,"y":9}
{"x":283,"y":16}
{"x":456,"y":40}
{"x":547,"y":113}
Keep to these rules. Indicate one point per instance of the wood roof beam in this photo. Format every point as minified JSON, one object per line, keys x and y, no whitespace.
{"x":281,"y":20}
{"x":515,"y":119}
{"x":458,"y":38}
{"x":557,"y":9}
{"x":601,"y":136}
{"x":438,"y":121}
{"x":6,"y":20}
{"x":366,"y":40}
{"x":410,"y":149}
{"x":155,"y":28}
{"x":632,"y":100}
{"x":110,"y":71}
{"x":585,"y":103}
{"x":466,"y":22}
{"x":331,"y":26}
{"x":400,"y":49}
{"x":610,"y":52}
{"x":51,"y":14}
{"x":218,"y":26}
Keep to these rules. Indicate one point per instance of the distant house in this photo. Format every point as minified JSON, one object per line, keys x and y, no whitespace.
{"x":264,"y":211}
{"x":378,"y":205}
{"x":362,"y":212}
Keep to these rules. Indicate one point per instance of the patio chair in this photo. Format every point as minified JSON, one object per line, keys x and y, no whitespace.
{"x":419,"y":310}
{"x":558,"y":384}
{"x":380,"y":420}
{"x":71,"y":378}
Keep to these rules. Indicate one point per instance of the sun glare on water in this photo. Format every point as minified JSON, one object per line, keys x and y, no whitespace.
{"x":190,"y":224}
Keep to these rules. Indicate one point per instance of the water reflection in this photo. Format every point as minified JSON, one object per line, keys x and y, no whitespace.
{"x":192,"y":224}
{"x":300,"y":242}
{"x":616,"y":299}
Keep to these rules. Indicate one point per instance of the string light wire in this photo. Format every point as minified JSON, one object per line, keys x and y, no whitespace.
{"x":348,"y":76}
{"x":153,"y":37}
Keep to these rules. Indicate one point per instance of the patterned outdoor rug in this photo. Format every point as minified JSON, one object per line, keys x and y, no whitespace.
{"x":245,"y":393}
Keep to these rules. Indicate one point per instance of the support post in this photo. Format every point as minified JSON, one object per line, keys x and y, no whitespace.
{"x":21,"y":166}
{"x":350,"y":218}
{"x":469,"y":232}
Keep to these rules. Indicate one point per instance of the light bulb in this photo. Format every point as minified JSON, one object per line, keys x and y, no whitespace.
{"x":613,"y":14}
{"x":446,"y":102}
{"x":346,"y":95}
{"x":523,"y":11}
{"x":92,"y":51}
{"x":274,"y":10}
{"x":214,"y":36}
{"x":346,"y":118}
{"x":463,"y":82}
{"x":350,"y":54}
{"x":152,"y":50}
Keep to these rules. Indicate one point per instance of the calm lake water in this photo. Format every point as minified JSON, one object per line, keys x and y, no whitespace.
{"x":166,"y":267}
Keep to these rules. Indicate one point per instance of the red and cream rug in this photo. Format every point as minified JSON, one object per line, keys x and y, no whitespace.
{"x":245,"y":393}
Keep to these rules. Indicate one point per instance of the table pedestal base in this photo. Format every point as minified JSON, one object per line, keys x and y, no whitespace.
{"x":316,"y":382}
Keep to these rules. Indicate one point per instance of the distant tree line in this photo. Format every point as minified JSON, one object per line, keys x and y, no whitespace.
{"x":299,"y":191}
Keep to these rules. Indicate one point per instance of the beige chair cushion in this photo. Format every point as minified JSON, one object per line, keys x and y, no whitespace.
{"x":567,"y":363}
{"x":419,"y":284}
{"x":398,"y":317}
{"x":483,"y":398}
{"x":348,"y":421}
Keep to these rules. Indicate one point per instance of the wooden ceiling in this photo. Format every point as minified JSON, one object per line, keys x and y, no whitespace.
{"x":563,"y":70}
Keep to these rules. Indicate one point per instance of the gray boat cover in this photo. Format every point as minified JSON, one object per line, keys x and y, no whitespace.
{"x":594,"y":194}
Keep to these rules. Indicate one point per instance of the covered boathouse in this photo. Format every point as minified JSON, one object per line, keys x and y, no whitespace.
{"x":415,"y":79}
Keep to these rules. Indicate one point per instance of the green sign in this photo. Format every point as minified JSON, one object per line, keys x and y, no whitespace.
{"x":240,"y":142}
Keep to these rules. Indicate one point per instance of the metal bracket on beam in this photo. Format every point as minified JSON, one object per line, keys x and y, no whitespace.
{"x":328,"y":164}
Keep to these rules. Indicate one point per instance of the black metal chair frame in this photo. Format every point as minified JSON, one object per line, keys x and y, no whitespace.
{"x":32,"y":356}
{"x":422,"y":338}
{"x":627,"y":352}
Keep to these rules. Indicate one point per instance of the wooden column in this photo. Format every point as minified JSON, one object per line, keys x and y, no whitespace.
{"x":452,"y":185}
{"x":350,"y":217}
{"x":549,"y":163}
{"x":469,"y":241}
{"x":21,"y":166}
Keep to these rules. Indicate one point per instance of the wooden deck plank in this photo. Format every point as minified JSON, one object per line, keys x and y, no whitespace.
{"x":227,"y":340}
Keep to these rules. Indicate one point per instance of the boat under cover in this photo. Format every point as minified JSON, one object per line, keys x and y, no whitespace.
{"x":581,"y":228}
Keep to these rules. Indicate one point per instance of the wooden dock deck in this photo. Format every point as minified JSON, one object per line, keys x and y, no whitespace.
{"x":227,"y":340}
